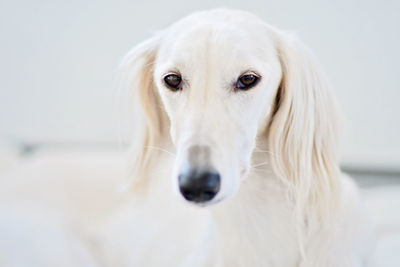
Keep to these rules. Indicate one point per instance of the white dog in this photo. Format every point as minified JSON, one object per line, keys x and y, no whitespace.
{"x":253,"y":126}
{"x":237,"y":121}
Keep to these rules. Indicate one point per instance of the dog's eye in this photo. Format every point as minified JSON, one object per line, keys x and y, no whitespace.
{"x":247,"y":81}
{"x":173,"y":82}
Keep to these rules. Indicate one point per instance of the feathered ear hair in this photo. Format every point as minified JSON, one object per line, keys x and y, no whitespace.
{"x":150,"y":122}
{"x":303,"y":131}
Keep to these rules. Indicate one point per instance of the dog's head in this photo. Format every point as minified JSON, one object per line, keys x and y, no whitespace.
{"x":217,"y":82}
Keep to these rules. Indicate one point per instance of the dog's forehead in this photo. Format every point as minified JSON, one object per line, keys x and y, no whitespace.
{"x":210,"y":37}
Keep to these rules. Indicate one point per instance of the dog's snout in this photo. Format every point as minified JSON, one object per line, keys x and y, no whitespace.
{"x":199,"y":186}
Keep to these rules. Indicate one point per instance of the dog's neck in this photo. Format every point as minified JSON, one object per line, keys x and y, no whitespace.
{"x":257,"y":223}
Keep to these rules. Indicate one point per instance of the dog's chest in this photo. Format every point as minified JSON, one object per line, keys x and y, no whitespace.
{"x":256,"y":230}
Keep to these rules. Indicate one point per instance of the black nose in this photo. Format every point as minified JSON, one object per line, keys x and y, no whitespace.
{"x":199,"y":186}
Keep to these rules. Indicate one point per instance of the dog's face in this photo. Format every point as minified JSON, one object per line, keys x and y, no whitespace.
{"x":225,"y":78}
{"x":217,"y":79}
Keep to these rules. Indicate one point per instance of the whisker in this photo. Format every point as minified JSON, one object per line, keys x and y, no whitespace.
{"x":258,"y":150}
{"x":260,"y":164}
{"x":161,"y":149}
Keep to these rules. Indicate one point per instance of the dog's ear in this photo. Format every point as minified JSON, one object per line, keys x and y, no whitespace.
{"x":303,"y":130}
{"x":146,"y":112}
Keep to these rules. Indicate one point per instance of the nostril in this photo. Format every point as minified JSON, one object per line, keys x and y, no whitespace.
{"x":188,"y":194}
{"x":208,"y":195}
{"x":212,"y":181}
{"x":199,"y":186}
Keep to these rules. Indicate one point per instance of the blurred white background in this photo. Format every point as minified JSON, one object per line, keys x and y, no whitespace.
{"x":58,"y":61}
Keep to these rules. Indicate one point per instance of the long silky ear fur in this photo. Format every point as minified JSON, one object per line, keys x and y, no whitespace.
{"x":303,"y":133}
{"x":136,"y":82}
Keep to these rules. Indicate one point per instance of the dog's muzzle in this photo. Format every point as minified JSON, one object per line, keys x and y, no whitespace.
{"x":198,"y":181}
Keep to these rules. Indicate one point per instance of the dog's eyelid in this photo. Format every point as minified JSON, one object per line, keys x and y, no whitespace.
{"x":171,"y":73}
{"x":250,"y":72}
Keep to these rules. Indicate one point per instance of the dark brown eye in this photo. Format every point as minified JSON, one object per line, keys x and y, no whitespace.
{"x":173,"y":81}
{"x":247,"y":81}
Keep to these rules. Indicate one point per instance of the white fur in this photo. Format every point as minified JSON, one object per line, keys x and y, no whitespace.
{"x":287,"y":126}
{"x":283,"y":200}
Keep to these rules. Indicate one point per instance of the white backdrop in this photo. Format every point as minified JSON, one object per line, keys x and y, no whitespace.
{"x":57,"y":63}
